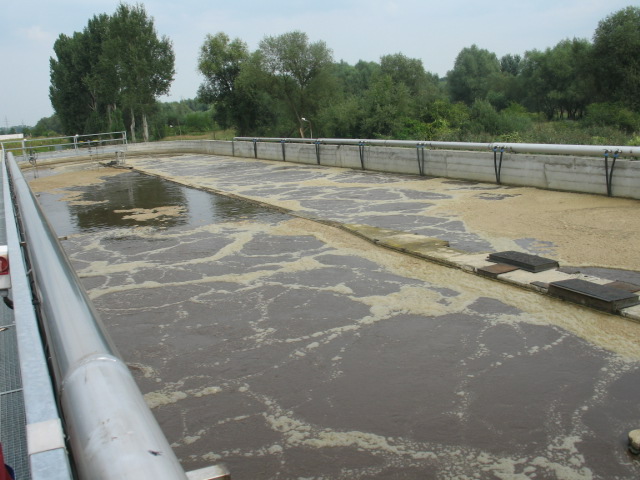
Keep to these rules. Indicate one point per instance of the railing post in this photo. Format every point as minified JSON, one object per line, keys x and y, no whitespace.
{"x":317,"y":143}
{"x":361,"y":146}
{"x":420,"y":153}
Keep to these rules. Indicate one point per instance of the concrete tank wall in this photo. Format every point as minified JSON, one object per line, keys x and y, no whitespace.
{"x":555,"y":172}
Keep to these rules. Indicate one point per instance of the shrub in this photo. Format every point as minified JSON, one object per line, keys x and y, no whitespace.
{"x":612,"y":115}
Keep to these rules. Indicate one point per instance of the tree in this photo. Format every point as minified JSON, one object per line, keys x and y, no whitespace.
{"x":47,"y":127}
{"x":473,"y":73}
{"x":410,"y":72}
{"x":220,"y":62}
{"x":558,"y":81}
{"x":68,"y":94}
{"x":616,"y":57}
{"x":355,"y":79}
{"x":297,"y":72}
{"x":100,"y":78}
{"x":143,"y":63}
{"x":386,"y":108}
{"x":510,"y":64}
{"x":115,"y":61}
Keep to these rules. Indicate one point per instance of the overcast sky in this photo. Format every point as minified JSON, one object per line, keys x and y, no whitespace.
{"x":432,"y":31}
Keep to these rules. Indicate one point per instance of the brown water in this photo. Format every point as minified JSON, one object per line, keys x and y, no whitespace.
{"x":289,"y":349}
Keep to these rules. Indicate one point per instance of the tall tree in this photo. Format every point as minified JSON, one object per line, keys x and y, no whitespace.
{"x":68,"y":93}
{"x":559,"y":80}
{"x":100,"y":78}
{"x":473,"y":74}
{"x":616,"y":54}
{"x":143,"y":62}
{"x":220,"y":62}
{"x":298,"y":72}
{"x":116,"y":60}
{"x":410,"y":72}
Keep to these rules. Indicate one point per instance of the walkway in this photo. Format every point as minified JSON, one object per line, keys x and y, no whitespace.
{"x":12,"y":414}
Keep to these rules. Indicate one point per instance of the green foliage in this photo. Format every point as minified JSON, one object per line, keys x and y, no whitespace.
{"x":47,"y":127}
{"x":612,"y":115}
{"x":220,"y":62}
{"x":116,"y":64}
{"x":198,"y":122}
{"x":616,"y":57}
{"x":558,"y":81}
{"x":296,"y":72}
{"x":541,"y":97}
{"x":474,"y":71}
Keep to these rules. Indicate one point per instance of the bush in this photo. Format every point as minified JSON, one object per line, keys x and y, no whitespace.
{"x":198,"y":122}
{"x":612,"y":115}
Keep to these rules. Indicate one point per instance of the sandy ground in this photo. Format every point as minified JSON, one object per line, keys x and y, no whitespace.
{"x":588,"y":230}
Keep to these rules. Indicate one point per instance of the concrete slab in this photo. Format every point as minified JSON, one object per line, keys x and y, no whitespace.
{"x":632,"y":313}
{"x":527,"y":279}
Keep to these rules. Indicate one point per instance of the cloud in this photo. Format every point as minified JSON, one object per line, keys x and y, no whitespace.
{"x":37,"y":34}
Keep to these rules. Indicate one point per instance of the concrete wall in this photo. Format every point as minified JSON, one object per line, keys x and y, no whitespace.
{"x":555,"y":172}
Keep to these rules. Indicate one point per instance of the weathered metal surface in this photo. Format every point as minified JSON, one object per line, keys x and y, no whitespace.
{"x":494,"y":270}
{"x":593,"y":295}
{"x":525,"y":261}
{"x":629,"y":287}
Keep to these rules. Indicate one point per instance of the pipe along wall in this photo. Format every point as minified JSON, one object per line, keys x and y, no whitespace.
{"x":572,"y":173}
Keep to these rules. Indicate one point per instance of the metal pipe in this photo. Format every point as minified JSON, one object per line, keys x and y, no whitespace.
{"x":111,"y":431}
{"x":539,"y":148}
{"x":50,"y":461}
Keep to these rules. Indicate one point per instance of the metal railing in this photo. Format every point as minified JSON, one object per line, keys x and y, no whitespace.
{"x":110,"y":430}
{"x":90,"y":144}
{"x":541,"y":148}
{"x":48,"y":458}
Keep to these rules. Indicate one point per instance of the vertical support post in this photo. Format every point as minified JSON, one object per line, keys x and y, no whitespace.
{"x":497,"y":166}
{"x":420,"y":153}
{"x":608,"y":172}
{"x":283,"y":143}
{"x":255,"y":148}
{"x":317,"y":142}
{"x":361,"y":150}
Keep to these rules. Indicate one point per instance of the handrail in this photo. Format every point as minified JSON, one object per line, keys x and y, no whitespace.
{"x":49,"y":461}
{"x":111,"y":431}
{"x":70,"y":141}
{"x":543,"y":148}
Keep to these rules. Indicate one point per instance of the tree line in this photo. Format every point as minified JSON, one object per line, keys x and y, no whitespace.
{"x":578,"y":91}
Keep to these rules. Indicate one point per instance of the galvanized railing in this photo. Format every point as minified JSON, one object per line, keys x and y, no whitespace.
{"x":89,"y":144}
{"x":109,"y":429}
{"x":46,"y":447}
{"x":541,"y":148}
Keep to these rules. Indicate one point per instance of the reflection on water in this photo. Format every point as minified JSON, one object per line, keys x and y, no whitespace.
{"x":111,"y":204}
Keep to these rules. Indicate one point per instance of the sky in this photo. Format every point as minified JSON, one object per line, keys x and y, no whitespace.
{"x":432,"y":31}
